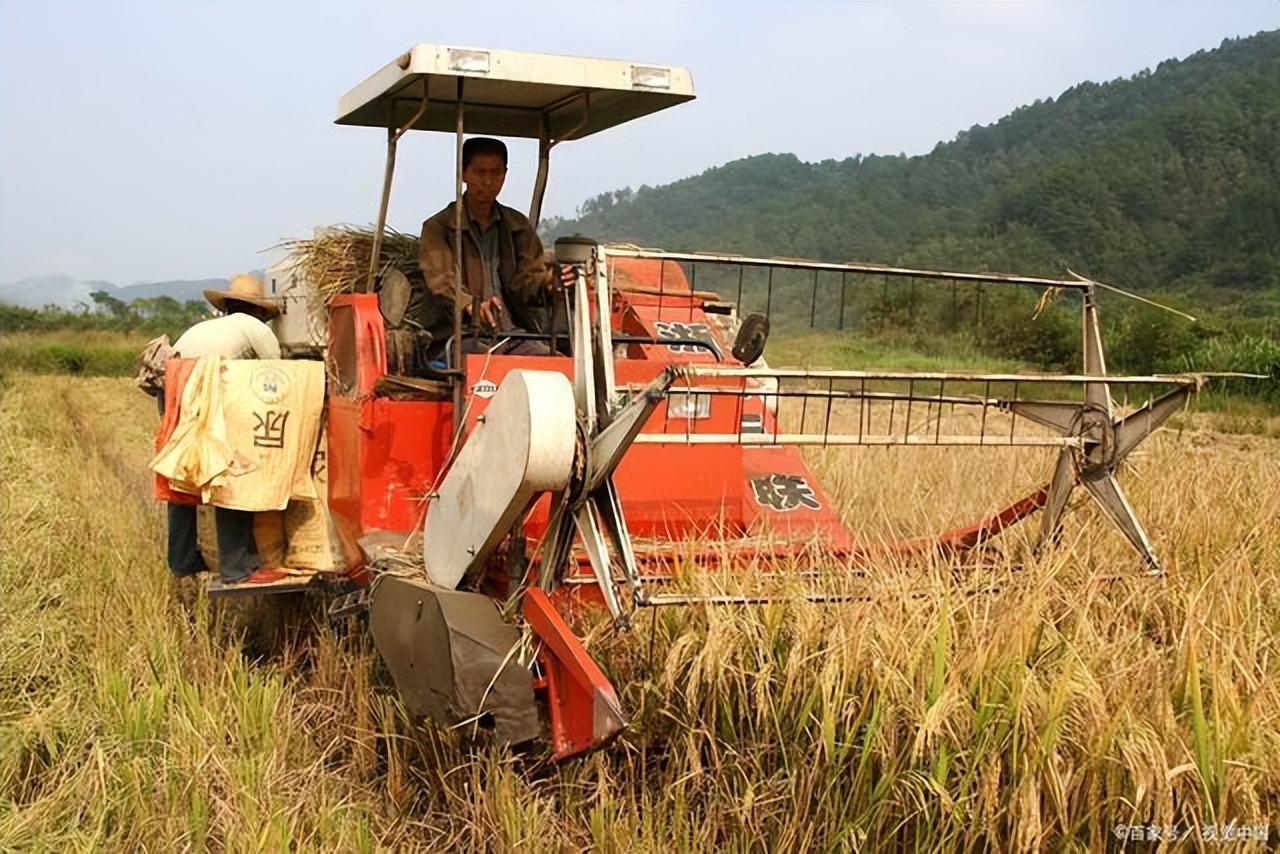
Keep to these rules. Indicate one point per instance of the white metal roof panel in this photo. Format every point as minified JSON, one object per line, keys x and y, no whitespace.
{"x":508,"y":93}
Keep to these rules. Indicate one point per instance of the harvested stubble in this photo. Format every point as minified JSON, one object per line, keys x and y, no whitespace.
{"x":1076,"y":698}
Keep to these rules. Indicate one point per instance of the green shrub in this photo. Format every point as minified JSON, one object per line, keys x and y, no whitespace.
{"x":1240,"y":353}
{"x":87,"y":354}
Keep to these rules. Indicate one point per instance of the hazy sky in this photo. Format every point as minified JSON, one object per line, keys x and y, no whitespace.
{"x":150,"y":141}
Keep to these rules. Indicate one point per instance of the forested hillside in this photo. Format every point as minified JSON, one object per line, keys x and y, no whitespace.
{"x":1165,"y":181}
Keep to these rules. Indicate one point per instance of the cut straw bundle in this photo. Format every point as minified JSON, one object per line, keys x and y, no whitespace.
{"x":336,"y":260}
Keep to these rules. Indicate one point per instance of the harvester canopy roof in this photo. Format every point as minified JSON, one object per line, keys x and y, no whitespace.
{"x":513,"y":94}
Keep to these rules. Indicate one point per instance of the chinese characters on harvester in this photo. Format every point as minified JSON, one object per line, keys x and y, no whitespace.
{"x":784,"y":492}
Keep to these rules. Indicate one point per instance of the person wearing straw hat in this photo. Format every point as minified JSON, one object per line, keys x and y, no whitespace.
{"x":240,"y":332}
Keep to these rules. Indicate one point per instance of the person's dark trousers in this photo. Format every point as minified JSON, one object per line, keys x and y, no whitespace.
{"x":237,"y":549}
{"x":500,"y":346}
{"x":184,"y":554}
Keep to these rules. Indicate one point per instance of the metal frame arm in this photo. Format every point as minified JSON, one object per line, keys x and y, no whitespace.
{"x":393,"y":137}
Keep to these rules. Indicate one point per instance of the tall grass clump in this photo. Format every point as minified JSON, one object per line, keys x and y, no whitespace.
{"x":1243,"y":405}
{"x":85,"y":354}
{"x":891,"y":351}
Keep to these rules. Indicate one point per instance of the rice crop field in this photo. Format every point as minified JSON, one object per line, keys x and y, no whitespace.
{"x":1069,"y":704}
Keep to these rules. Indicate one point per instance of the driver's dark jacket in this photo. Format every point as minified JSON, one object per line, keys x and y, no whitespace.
{"x":522,"y":268}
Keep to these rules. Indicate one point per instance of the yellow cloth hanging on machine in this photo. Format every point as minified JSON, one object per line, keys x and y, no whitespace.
{"x":272,"y":409}
{"x":197,"y":454}
{"x":247,"y":433}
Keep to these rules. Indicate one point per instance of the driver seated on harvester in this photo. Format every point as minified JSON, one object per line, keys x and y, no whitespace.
{"x":507,"y":284}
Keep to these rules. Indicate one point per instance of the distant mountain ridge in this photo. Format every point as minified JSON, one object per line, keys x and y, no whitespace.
{"x":1165,"y":180}
{"x":71,"y":294}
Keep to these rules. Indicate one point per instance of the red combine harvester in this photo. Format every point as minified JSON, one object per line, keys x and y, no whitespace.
{"x":655,"y":443}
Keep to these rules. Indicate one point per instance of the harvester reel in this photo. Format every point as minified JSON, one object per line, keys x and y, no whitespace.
{"x":1103,"y":441}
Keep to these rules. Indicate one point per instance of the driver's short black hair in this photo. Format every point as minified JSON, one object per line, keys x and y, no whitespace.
{"x":483,"y":145}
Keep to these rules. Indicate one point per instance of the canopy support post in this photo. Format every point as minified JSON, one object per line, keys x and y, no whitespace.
{"x":393,"y":137}
{"x":545,"y":144}
{"x":459,"y":390}
{"x":544,"y":167}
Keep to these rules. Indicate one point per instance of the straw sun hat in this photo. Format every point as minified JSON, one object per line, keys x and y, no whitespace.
{"x":245,"y":288}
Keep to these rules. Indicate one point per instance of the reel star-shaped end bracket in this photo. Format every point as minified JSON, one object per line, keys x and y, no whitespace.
{"x":1103,"y":440}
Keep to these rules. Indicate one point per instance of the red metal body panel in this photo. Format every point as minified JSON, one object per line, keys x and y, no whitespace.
{"x":582,"y":706}
{"x":689,"y":494}
{"x":384,"y":454}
